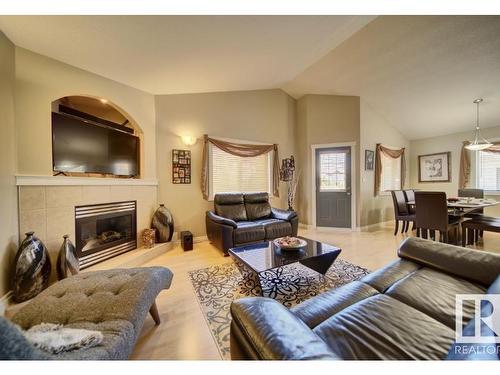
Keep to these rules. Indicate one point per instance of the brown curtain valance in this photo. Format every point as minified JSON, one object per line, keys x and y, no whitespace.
{"x":243,"y":150}
{"x":464,"y":176}
{"x":394,"y":154}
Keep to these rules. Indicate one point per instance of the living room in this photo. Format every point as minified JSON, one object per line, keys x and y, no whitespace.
{"x":251,"y":192}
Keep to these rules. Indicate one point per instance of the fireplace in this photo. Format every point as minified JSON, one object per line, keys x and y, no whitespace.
{"x":104,"y":231}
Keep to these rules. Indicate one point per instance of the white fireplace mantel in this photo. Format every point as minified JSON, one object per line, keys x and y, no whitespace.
{"x":26,"y":180}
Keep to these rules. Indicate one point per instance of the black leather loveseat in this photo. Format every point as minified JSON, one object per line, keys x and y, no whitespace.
{"x":243,"y":218}
{"x":405,"y":310}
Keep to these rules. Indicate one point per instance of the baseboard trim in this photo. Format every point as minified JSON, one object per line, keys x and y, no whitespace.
{"x":4,"y":302}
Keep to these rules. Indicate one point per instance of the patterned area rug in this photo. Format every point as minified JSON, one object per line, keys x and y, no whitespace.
{"x":217,"y":286}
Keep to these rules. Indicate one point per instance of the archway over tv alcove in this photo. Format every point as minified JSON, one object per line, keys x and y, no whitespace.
{"x":93,"y":137}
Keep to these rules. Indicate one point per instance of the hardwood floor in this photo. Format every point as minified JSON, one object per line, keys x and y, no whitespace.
{"x":183,"y":333}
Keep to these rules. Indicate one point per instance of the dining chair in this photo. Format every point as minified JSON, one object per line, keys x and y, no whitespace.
{"x":432,"y":215}
{"x":472,"y":193}
{"x":401,"y":212}
{"x":476,"y":214}
{"x":410,"y":197}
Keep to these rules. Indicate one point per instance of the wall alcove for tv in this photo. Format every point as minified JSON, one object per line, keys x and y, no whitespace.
{"x":93,"y":137}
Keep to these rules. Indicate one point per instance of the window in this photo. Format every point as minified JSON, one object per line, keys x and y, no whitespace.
{"x":234,"y":173}
{"x":390,"y":178}
{"x":332,"y":171}
{"x":488,"y":171}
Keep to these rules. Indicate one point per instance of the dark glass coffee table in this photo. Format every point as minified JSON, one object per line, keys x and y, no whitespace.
{"x":264,"y":260}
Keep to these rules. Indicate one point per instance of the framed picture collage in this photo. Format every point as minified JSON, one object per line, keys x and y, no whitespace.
{"x":181,"y":166}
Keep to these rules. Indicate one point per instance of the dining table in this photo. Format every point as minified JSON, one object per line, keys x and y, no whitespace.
{"x":461,"y":206}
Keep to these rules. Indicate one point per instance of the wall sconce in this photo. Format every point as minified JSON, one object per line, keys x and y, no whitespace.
{"x":188,"y":140}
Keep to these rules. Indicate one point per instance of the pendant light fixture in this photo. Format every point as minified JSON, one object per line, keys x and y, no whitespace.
{"x":479,"y":142}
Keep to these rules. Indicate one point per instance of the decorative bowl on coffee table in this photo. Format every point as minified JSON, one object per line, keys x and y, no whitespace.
{"x":290,"y":243}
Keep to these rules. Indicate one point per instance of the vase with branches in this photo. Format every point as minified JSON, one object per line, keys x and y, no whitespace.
{"x":288,"y":175}
{"x":292,"y":190}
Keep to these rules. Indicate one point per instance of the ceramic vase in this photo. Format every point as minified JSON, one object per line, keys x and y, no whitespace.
{"x":163,"y":222}
{"x":32,"y":268}
{"x":67,"y":261}
{"x":148,"y":238}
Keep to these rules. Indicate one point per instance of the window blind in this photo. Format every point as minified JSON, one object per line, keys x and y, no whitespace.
{"x":488,"y":173}
{"x":332,"y":171}
{"x":391,"y":173}
{"x":235,"y":173}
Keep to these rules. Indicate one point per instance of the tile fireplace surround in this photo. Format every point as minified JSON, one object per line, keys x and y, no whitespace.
{"x":47,"y":205}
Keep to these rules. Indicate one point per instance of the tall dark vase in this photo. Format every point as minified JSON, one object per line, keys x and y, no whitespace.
{"x":163,"y":222}
{"x":67,"y":261}
{"x":32,"y":268}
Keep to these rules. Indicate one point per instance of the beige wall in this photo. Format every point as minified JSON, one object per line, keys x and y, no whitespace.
{"x":323,"y":119}
{"x":452,"y":143}
{"x":261,"y":116}
{"x":8,"y":192}
{"x":376,"y":129}
{"x":41,"y":80}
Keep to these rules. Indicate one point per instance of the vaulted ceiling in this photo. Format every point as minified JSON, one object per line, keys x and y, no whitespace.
{"x":419,"y":72}
{"x":185,"y":54}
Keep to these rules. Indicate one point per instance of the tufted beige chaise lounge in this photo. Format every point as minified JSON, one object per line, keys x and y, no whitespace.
{"x":114,"y":302}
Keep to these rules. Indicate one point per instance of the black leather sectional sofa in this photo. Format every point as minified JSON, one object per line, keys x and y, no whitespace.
{"x":405,"y":310}
{"x":244,"y":218}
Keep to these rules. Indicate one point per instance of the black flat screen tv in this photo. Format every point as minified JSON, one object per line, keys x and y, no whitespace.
{"x":82,"y":146}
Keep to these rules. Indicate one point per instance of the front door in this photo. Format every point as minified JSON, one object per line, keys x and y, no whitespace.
{"x":333,"y":187}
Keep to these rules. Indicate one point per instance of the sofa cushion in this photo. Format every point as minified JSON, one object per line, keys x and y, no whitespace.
{"x":248,"y":231}
{"x":257,"y":206}
{"x":384,"y":277}
{"x":381,"y":327}
{"x":276,"y":228}
{"x":440,"y":304}
{"x":231,"y":206}
{"x":320,"y":308}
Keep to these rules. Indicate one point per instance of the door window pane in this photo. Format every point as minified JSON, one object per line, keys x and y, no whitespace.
{"x":332,"y":171}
